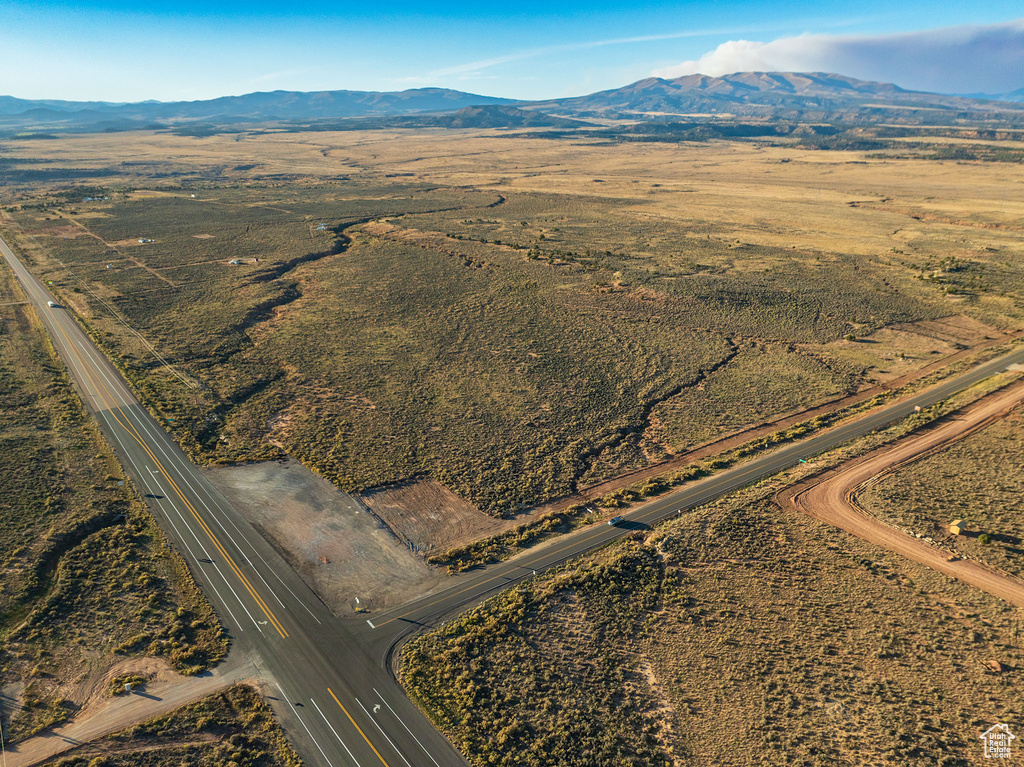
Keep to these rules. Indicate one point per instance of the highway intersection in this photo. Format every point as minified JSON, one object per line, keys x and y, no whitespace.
{"x":329,"y":678}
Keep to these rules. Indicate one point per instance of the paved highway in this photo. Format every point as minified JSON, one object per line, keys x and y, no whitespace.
{"x":337,"y":699}
{"x":394,"y":625}
{"x":339,"y":707}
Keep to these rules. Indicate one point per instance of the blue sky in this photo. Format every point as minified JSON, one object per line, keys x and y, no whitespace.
{"x":129,"y":51}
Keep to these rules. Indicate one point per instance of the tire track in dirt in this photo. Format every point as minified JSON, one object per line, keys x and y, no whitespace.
{"x":831,"y":497}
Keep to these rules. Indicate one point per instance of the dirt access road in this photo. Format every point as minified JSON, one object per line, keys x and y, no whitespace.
{"x":106,"y":714}
{"x":831,"y":497}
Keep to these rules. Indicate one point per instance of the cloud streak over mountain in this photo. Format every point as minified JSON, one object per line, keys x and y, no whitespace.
{"x":962,"y":59}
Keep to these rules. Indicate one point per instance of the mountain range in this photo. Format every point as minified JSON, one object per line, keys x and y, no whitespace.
{"x":252,"y":107}
{"x":776,"y":95}
{"x":761,"y":95}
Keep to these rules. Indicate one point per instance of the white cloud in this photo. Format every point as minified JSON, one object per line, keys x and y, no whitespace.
{"x":531,"y":53}
{"x":966,"y":59}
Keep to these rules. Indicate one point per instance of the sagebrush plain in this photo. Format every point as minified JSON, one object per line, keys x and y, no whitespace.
{"x":514,"y":317}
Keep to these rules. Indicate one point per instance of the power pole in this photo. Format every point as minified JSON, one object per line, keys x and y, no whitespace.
{"x":3,"y":744}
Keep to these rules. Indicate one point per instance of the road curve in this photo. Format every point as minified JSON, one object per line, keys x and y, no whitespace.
{"x":831,"y":497}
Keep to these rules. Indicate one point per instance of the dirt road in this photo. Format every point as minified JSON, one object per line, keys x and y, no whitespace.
{"x":111,"y":714}
{"x":831,"y":497}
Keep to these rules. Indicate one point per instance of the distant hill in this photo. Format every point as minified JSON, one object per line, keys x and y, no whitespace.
{"x":497,"y":116}
{"x":788,"y":95}
{"x":9,"y":105}
{"x":483,"y":116}
{"x":1016,"y":96}
{"x":275,"y":106}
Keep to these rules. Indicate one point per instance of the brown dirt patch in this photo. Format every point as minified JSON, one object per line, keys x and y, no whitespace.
{"x":428,"y":516}
{"x":165,"y":691}
{"x":956,"y":329}
{"x":339,"y":548}
{"x":92,"y":690}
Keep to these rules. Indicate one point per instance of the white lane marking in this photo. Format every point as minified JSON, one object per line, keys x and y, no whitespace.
{"x":171,"y":458}
{"x":273,"y":570}
{"x":406,"y":727}
{"x":377,"y":724}
{"x":96,"y":359}
{"x":185,"y":478}
{"x":371,"y":623}
{"x":220,"y":572}
{"x":184,"y":539}
{"x":184,"y":471}
{"x":186,"y":468}
{"x":213,"y":586}
{"x":335,"y":732}
{"x":287,"y":700}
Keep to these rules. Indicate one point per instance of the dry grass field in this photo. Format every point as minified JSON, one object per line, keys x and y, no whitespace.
{"x":86,"y":577}
{"x":736,"y":635}
{"x":512,"y":317}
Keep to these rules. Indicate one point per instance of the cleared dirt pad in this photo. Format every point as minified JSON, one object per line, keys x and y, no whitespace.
{"x":338,"y":548}
{"x":429,"y":517}
{"x":957,"y":330}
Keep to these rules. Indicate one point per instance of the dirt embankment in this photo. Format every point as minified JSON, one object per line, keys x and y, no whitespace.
{"x":959,"y":330}
{"x":428,"y":517}
{"x":831,"y":497}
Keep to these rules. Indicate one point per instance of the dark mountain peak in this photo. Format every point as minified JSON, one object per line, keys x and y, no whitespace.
{"x":263,"y":106}
{"x":761,"y":95}
{"x":767,"y":95}
{"x":800,"y":83}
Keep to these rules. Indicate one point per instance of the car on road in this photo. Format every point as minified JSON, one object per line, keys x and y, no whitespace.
{"x":616,"y":521}
{"x":53,"y":304}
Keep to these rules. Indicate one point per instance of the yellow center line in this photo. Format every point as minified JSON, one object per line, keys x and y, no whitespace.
{"x":130,"y":429}
{"x":357,"y":727}
{"x":202,"y":523}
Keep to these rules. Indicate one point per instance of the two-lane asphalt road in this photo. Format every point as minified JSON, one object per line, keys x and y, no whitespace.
{"x":391,"y":627}
{"x":338,"y":702}
{"x":338,"y":706}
